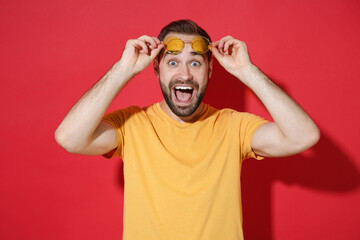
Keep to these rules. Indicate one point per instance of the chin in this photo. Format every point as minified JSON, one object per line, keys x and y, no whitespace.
{"x":183,"y":107}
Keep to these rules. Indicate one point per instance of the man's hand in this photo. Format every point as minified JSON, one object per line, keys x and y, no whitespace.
{"x":232,"y":54}
{"x":139,"y":53}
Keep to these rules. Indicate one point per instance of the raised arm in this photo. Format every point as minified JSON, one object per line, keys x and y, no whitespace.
{"x":292,"y":131}
{"x":82,"y":131}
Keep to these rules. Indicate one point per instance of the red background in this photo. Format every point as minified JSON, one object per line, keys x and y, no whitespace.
{"x":51,"y":52}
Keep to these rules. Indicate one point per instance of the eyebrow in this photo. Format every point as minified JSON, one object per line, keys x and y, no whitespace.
{"x":192,"y":53}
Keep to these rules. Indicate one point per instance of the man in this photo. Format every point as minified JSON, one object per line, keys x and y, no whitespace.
{"x":182,"y":158}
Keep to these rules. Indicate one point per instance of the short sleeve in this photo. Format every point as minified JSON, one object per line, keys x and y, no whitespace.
{"x":249,"y":123}
{"x":117,"y":120}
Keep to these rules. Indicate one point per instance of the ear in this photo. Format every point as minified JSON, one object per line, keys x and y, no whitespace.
{"x":156,"y":67}
{"x":210,"y":67}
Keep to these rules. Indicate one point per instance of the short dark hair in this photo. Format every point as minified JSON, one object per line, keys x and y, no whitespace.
{"x":184,"y":26}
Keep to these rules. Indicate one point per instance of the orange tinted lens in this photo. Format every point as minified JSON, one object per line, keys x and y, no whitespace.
{"x":200,"y":44}
{"x":174,"y":45}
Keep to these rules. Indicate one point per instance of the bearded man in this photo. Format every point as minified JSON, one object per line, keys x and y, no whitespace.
{"x":182,"y":157}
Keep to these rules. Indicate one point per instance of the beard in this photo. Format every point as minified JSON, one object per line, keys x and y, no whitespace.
{"x":183,"y":111}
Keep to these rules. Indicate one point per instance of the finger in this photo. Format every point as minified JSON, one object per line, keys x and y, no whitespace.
{"x":141,"y":46}
{"x":215,"y":51}
{"x":157,"y":40}
{"x":214,"y":44}
{"x":150,"y":41}
{"x":156,"y":51}
{"x":133,"y":45}
{"x":217,"y":46}
{"x":223,"y":40}
{"x":230,"y":43}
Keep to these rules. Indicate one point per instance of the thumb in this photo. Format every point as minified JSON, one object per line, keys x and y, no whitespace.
{"x":216,"y":53}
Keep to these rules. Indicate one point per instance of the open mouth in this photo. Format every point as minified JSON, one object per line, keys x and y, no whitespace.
{"x":183,"y":94}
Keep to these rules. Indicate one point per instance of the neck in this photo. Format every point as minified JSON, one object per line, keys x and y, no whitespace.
{"x":191,"y":118}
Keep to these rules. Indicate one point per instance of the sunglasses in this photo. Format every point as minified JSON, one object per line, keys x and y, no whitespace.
{"x":175,"y":45}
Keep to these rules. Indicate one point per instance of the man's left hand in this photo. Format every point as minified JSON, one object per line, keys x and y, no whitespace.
{"x":232,"y":54}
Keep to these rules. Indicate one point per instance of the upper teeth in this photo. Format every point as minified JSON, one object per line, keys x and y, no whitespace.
{"x":183,"y":88}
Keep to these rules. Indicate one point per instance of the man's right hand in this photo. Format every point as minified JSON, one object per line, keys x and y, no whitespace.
{"x":139,"y":53}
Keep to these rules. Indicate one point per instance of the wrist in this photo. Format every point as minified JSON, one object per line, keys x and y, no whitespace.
{"x":246,"y":73}
{"x":122,"y":72}
{"x":117,"y":76}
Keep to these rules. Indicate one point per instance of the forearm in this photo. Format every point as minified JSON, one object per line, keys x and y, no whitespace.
{"x":76,"y":129}
{"x":291,"y":119}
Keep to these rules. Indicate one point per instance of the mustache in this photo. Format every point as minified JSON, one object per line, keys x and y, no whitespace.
{"x":189,"y":82}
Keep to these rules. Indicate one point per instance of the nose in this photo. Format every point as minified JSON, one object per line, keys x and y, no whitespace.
{"x":185,"y":73}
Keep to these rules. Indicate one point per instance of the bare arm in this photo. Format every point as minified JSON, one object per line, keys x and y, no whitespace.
{"x":82,"y":131}
{"x":292,"y":131}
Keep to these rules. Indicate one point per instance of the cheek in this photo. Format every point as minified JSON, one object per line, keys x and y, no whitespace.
{"x":165,"y":77}
{"x":201,"y":75}
{"x":164,"y":70}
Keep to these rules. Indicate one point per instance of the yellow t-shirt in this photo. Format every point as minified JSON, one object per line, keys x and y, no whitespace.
{"x":182,"y":180}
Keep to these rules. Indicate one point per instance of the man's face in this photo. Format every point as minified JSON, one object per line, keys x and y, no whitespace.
{"x":183,"y":78}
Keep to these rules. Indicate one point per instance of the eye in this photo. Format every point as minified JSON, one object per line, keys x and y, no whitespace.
{"x":172,"y":63}
{"x":195,"y":64}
